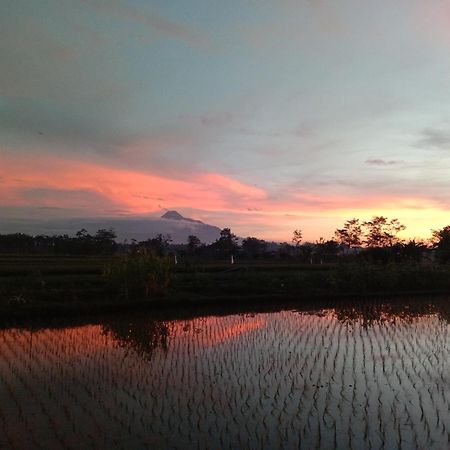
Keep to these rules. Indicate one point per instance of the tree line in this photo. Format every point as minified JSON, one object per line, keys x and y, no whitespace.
{"x":103,"y":242}
{"x":374,"y":240}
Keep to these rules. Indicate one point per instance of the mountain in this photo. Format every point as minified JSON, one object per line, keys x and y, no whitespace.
{"x":174,"y":215}
{"x":139,"y":228}
{"x":181,"y":227}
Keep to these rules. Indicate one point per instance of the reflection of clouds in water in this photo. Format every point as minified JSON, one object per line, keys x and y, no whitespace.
{"x":145,"y":336}
{"x":354,"y":377}
{"x":238,"y":327}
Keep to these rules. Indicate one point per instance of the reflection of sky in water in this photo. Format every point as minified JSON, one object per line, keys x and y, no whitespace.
{"x":345,"y":378}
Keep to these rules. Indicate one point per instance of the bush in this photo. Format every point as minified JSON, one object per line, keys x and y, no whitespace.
{"x":140,"y":275}
{"x":392,"y":277}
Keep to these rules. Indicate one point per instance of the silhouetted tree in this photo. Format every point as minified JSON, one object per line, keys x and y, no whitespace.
{"x":84,"y":242}
{"x":82,"y":234}
{"x":307,"y":252}
{"x":297,"y":237}
{"x":411,"y":251}
{"x":286,"y":251}
{"x":326,"y":251}
{"x":382,"y":232}
{"x":441,"y":242}
{"x":158,"y":245}
{"x":193,"y":244}
{"x":253,"y":247}
{"x":227,"y":244}
{"x":105,"y":241}
{"x":350,"y":235}
{"x":17,"y":243}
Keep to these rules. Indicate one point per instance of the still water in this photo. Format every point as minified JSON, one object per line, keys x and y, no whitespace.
{"x":345,"y":377}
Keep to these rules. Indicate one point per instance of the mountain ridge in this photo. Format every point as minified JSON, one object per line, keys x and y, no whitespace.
{"x":175,"y":215}
{"x":127,"y":228}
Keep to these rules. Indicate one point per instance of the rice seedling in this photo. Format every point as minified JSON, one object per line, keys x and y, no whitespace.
{"x":370,"y":378}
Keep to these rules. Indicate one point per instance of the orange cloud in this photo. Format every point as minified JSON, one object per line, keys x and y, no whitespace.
{"x":211,"y":331}
{"x":138,"y":192}
{"x":94,"y":189}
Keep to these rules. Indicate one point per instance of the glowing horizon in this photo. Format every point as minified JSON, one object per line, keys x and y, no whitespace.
{"x":256,"y":116}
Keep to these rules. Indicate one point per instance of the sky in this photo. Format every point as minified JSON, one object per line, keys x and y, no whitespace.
{"x":263,"y":116}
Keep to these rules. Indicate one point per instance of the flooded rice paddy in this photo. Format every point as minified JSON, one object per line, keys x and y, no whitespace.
{"x":347,"y":377}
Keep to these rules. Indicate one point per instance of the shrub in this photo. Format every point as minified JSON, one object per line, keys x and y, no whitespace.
{"x":140,"y":275}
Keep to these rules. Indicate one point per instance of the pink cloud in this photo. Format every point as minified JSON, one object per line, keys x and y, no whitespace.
{"x":434,"y":19}
{"x":142,"y":192}
{"x":138,"y":192}
{"x":234,"y":328}
{"x":94,"y":189}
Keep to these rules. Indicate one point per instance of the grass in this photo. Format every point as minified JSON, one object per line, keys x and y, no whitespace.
{"x":32,"y":284}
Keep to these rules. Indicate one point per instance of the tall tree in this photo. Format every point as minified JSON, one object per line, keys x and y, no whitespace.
{"x":83,"y":241}
{"x":351,"y":234}
{"x":382,"y":232}
{"x":253,"y":247}
{"x":105,"y":240}
{"x":227,"y":242}
{"x":441,"y":242}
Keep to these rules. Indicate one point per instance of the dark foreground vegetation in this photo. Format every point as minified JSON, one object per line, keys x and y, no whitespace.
{"x":62,"y":274}
{"x":63,"y":285}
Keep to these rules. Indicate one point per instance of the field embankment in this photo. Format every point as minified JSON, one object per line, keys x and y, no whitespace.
{"x":61,"y":285}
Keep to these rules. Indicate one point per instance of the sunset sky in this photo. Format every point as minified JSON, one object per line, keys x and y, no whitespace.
{"x":263,"y":116}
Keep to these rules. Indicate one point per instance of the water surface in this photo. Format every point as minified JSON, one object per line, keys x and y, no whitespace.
{"x":343,"y":377}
